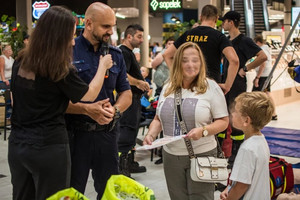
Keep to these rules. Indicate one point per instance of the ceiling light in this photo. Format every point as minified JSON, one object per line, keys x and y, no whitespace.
{"x":177,"y":21}
{"x":173,"y":18}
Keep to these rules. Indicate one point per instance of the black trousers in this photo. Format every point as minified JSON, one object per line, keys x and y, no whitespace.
{"x":95,"y":150}
{"x":129,"y":125}
{"x":37,"y":172}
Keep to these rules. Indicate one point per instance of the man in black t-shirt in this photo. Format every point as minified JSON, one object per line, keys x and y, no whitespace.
{"x":245,"y":49}
{"x":129,"y":122}
{"x":212,"y":43}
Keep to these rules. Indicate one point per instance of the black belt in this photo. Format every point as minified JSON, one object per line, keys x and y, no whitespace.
{"x":87,"y":126}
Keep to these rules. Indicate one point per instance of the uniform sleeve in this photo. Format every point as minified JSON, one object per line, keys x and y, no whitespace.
{"x":249,"y":48}
{"x":218,"y":102}
{"x":180,"y":40}
{"x":73,"y":87}
{"x":122,"y":80}
{"x":244,"y":166}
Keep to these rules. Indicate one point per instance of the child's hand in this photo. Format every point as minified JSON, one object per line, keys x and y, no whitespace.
{"x":106,"y":61}
{"x":224,"y":194}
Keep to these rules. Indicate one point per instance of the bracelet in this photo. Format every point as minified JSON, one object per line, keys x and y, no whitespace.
{"x":150,"y":136}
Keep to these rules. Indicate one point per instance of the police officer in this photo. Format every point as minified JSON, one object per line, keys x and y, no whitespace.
{"x":92,"y":124}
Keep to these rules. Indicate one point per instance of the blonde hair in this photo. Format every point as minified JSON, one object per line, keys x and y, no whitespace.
{"x":176,"y":73}
{"x":258,"y":106}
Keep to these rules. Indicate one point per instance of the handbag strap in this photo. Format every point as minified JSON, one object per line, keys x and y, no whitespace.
{"x":177,"y":104}
{"x":188,"y":143}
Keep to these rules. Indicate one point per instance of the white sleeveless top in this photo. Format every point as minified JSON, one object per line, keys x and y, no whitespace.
{"x":8,"y":63}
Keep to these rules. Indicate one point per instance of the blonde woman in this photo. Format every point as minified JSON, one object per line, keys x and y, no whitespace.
{"x":6,"y":62}
{"x":205,"y":113}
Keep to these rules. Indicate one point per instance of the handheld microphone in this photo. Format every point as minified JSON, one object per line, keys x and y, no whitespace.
{"x":105,"y":51}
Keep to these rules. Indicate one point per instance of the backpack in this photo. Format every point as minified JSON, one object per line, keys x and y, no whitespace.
{"x":281,"y":176}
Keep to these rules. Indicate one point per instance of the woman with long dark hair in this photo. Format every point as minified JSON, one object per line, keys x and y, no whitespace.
{"x":43,"y":82}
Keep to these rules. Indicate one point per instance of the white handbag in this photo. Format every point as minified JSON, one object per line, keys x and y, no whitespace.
{"x":207,"y":169}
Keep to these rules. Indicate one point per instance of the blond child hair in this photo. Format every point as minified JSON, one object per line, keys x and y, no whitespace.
{"x":258,"y":106}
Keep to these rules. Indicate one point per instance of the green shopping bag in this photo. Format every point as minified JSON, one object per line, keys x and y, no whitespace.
{"x":68,"y":194}
{"x":121,"y":187}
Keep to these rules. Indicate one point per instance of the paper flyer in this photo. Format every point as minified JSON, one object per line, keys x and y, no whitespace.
{"x":160,"y":142}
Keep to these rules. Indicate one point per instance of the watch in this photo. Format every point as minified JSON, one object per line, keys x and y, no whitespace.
{"x":245,"y":69}
{"x":205,"y":132}
{"x":117,"y":113}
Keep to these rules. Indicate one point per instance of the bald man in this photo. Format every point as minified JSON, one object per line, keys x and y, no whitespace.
{"x":92,"y":126}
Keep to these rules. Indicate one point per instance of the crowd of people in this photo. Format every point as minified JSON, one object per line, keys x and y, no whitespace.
{"x":80,"y":112}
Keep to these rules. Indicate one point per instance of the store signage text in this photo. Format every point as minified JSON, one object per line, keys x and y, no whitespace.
{"x":165,"y":4}
{"x":39,"y":7}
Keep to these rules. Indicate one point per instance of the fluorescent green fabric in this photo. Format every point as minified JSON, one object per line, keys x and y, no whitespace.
{"x":69,"y":193}
{"x":121,"y":187}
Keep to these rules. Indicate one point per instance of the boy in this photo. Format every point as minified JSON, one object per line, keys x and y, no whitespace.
{"x":250,"y":174}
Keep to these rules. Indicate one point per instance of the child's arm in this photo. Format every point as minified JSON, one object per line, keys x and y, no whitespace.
{"x":224,"y":194}
{"x":237,"y":191}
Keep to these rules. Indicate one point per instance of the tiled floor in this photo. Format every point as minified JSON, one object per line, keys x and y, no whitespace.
{"x":288,"y":117}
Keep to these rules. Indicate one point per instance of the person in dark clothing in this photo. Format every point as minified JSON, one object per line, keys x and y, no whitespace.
{"x":92,"y":126}
{"x":245,"y":49}
{"x":213,"y":44}
{"x":43,"y":83}
{"x":129,"y":122}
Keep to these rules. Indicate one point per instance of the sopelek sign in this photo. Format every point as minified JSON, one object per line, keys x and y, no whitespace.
{"x":165,"y":5}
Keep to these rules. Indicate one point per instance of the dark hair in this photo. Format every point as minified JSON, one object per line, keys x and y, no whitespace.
{"x":169,"y":39}
{"x":259,"y":38}
{"x":49,"y":53}
{"x":131,"y":29}
{"x":209,"y":12}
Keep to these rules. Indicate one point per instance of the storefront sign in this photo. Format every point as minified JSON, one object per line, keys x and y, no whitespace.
{"x":165,"y":5}
{"x":39,"y":7}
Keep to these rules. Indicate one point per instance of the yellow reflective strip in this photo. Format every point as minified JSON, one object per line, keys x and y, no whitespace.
{"x":272,"y":187}
{"x":284,"y":184}
{"x":221,"y":135}
{"x":237,"y":137}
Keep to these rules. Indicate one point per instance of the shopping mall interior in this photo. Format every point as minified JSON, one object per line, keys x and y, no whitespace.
{"x":275,"y":20}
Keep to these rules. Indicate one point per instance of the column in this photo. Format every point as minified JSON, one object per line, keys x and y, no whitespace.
{"x":24,"y":14}
{"x":287,"y":17}
{"x":143,"y":6}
